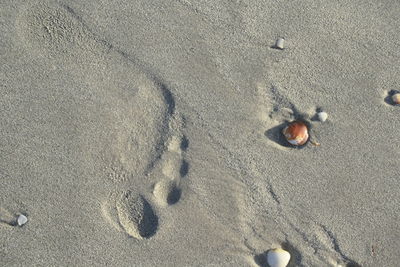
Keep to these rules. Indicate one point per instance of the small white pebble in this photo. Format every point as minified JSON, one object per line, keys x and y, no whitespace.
{"x":396,"y":98}
{"x":280,"y":43}
{"x":322,"y":116}
{"x":22,"y":219}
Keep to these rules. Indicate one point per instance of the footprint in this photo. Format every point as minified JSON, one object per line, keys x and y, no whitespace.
{"x":132,"y":213}
{"x":128,"y":107}
{"x":136,"y":215}
{"x":174,"y":167}
{"x":167,"y":192}
{"x":131,"y":104}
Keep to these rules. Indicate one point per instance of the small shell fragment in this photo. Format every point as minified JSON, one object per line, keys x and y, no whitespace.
{"x":296,"y":133}
{"x":396,"y":98}
{"x":278,"y":257}
{"x":322,"y":116}
{"x":22,"y":219}
{"x":280,"y":43}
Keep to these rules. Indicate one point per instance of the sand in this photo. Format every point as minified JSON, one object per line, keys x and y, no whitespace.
{"x":148,"y":133}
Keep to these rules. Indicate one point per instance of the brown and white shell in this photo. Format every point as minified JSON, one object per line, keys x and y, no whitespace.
{"x":296,"y":133}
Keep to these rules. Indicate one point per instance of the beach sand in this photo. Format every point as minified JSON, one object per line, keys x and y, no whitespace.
{"x":148,"y":133}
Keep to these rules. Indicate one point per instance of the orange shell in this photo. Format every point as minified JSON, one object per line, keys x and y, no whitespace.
{"x":296,"y":133}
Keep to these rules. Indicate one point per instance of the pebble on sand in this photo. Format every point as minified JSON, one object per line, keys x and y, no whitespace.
{"x":22,"y":219}
{"x":396,"y":98}
{"x":278,"y":257}
{"x":280,"y":43}
{"x":322,"y":116}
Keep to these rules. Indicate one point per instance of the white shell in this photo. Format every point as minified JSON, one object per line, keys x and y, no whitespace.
{"x":22,"y":219}
{"x":280,"y":43}
{"x":322,"y":116}
{"x":278,"y":257}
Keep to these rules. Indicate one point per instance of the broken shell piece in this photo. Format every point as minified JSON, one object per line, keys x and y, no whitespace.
{"x":280,"y":43}
{"x":278,"y":257}
{"x":22,"y":219}
{"x":396,"y":99}
{"x":322,"y":116}
{"x":296,"y":133}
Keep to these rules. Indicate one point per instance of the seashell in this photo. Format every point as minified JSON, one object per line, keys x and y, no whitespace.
{"x":296,"y":133}
{"x":396,"y":99}
{"x":322,"y":116}
{"x":278,"y":257}
{"x":280,"y":43}
{"x":22,"y":219}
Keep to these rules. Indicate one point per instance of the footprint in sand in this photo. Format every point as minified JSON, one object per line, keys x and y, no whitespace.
{"x":167,"y":191}
{"x":132,"y":111}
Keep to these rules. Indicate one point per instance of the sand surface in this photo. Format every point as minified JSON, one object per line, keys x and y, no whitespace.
{"x":148,"y":133}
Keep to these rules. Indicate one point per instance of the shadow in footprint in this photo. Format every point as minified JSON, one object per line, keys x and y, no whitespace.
{"x":185,"y":143}
{"x":150,"y":221}
{"x":388,"y":99}
{"x":136,"y":215}
{"x":167,"y":96}
{"x":174,"y":196}
{"x":183,"y":171}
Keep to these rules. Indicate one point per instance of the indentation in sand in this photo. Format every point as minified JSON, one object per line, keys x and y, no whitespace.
{"x":136,"y":215}
{"x":167,"y":190}
{"x":131,"y":105}
{"x":130,"y":212}
{"x":127,"y":105}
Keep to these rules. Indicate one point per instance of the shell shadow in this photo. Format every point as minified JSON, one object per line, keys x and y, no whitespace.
{"x":388,"y":99}
{"x":353,"y":264}
{"x":295,"y":255}
{"x":261,"y":259}
{"x":315,"y":116}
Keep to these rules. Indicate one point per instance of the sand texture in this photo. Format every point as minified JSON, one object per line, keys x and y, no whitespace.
{"x":149,"y":133}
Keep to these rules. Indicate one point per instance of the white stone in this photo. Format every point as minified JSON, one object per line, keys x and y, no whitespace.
{"x":22,"y":219}
{"x":280,"y":43}
{"x":322,"y":116}
{"x":278,"y":257}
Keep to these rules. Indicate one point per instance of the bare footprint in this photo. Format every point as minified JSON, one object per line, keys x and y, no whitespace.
{"x":136,"y":215}
{"x":132,"y":213}
{"x":126,"y":105}
{"x":174,"y":167}
{"x":167,"y":192}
